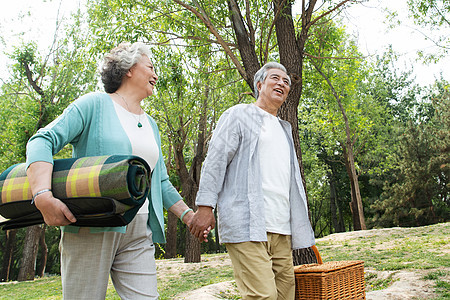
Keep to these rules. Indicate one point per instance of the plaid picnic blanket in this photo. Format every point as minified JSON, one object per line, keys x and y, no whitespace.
{"x":99,"y":190}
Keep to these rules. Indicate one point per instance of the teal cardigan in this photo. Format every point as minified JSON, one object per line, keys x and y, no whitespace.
{"x":93,"y":128}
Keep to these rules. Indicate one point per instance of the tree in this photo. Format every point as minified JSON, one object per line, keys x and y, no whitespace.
{"x":249,"y":34}
{"x":418,"y":194}
{"x":186,"y":105}
{"x":254,"y":45}
{"x":435,"y":15}
{"x":192,"y":91}
{"x":40,"y":88}
{"x":8,"y":254}
{"x":341,"y":72}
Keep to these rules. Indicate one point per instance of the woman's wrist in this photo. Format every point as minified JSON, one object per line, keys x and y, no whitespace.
{"x":39,"y":193}
{"x":184,"y":214}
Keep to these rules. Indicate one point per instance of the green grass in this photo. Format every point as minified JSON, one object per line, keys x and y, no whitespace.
{"x":44,"y":288}
{"x":169,"y":287}
{"x":410,"y":249}
{"x":423,"y":249}
{"x":442,"y":287}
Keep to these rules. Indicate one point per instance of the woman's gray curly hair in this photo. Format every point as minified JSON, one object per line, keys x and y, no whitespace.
{"x":119,"y":61}
{"x":261,"y":75}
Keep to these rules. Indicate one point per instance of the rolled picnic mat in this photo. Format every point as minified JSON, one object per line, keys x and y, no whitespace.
{"x":101,"y":191}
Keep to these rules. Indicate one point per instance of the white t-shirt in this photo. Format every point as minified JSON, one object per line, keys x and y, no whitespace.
{"x":142,"y":139}
{"x":273,"y":148}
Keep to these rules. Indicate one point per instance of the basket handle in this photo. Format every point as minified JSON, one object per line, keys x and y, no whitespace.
{"x":316,"y":252}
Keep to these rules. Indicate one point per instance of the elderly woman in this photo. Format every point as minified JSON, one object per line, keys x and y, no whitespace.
{"x":105,"y":124}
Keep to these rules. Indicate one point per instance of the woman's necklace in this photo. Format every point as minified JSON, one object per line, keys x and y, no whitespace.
{"x":139,"y":124}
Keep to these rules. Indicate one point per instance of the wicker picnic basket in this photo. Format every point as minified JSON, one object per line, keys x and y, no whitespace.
{"x":330,"y":280}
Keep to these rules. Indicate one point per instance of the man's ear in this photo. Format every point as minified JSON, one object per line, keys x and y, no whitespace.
{"x":258,"y":85}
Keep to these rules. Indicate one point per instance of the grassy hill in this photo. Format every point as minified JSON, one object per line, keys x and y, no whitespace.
{"x":397,"y":260}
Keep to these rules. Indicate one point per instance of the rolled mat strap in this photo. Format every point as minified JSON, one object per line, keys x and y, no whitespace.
{"x":99,"y":190}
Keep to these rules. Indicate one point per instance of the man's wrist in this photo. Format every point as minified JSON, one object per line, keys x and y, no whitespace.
{"x":205,"y":207}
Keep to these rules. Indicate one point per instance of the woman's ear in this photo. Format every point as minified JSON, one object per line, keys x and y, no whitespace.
{"x":130,"y":72}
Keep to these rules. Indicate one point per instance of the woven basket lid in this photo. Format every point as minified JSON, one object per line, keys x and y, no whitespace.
{"x":328,"y":266}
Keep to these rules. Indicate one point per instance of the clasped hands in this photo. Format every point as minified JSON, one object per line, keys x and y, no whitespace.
{"x":201,"y":223}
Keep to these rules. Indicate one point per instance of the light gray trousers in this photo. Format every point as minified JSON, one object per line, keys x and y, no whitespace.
{"x":87,"y":260}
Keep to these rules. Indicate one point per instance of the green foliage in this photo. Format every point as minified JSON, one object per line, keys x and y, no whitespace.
{"x":419,"y":192}
{"x":333,"y":59}
{"x":39,"y":88}
{"x":36,"y":97}
{"x":434,"y":15}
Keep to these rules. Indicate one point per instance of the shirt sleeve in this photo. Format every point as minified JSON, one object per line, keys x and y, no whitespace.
{"x":222,"y":148}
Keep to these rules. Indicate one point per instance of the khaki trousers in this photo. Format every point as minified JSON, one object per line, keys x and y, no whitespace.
{"x":264,"y":270}
{"x":88,"y":259}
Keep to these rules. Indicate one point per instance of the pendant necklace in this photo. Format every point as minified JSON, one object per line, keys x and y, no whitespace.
{"x":139,"y":124}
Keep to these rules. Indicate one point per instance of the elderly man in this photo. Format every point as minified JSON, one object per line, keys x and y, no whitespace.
{"x":251,"y":173}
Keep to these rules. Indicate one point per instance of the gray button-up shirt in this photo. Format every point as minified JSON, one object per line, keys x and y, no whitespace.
{"x":231,"y":180}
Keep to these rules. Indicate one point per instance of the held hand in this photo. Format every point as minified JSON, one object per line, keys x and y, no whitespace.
{"x":54,"y":211}
{"x":202,"y":223}
{"x":187,"y":219}
{"x":205,"y":234}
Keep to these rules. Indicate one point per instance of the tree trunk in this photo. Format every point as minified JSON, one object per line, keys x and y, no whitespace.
{"x":171,"y":243}
{"x":216,"y":232}
{"x":190,"y":179}
{"x":356,"y":206}
{"x":245,"y":43}
{"x":192,"y":254}
{"x":44,"y":253}
{"x":29,"y":253}
{"x":189,"y":191}
{"x":291,"y":56}
{"x":303,"y":256}
{"x":333,"y":202}
{"x":8,"y":254}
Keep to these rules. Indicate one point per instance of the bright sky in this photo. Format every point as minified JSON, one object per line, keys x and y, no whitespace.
{"x":37,"y":20}
{"x":30,"y":20}
{"x":368,"y":22}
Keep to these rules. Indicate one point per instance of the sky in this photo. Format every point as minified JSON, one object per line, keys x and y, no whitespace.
{"x":368,"y":23}
{"x":23,"y":20}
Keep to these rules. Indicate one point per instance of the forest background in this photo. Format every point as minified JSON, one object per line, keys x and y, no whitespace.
{"x":373,"y":144}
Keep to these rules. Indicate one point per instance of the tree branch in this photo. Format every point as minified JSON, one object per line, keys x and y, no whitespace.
{"x":205,"y":19}
{"x":332,"y":57}
{"x":329,"y":12}
{"x":31,"y":81}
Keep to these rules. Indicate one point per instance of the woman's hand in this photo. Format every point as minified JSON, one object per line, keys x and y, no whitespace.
{"x":54,"y":211}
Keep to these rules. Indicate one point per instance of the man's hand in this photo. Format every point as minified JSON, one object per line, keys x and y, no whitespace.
{"x":202,"y":223}
{"x":54,"y":211}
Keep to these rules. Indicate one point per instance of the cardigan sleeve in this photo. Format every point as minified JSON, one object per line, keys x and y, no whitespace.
{"x":52,"y":138}
{"x":169,"y":194}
